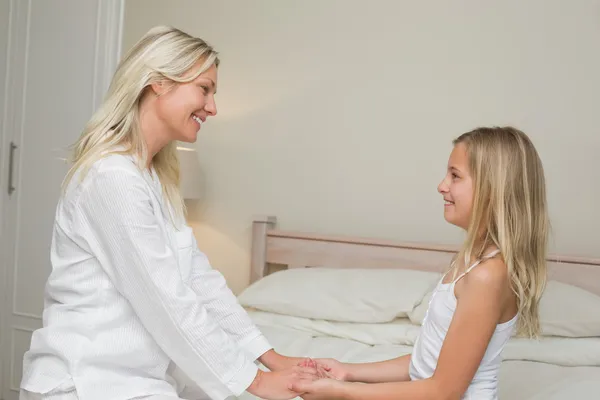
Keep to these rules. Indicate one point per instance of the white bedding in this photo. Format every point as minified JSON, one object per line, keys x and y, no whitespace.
{"x":377,"y":314}
{"x":552,"y":368}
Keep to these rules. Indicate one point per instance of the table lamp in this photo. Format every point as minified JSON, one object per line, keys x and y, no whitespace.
{"x":189,"y":166}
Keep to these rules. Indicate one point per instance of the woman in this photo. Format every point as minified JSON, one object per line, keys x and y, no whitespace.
{"x":130,"y":297}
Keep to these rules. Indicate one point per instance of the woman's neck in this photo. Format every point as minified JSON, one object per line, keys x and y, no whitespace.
{"x":152,"y":129}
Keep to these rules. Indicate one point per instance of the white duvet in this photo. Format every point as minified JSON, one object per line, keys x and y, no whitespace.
{"x":552,"y":368}
{"x":362,"y":315}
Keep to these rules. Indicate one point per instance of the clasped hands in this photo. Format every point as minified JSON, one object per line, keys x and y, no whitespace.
{"x":311,"y":379}
{"x":329,"y":382}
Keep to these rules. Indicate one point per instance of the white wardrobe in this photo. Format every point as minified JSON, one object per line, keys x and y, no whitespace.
{"x":56,"y":60}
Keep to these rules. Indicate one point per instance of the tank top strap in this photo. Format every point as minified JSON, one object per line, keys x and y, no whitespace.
{"x":476,"y":263}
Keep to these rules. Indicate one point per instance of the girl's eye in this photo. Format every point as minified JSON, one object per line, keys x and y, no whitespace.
{"x":204,"y":89}
{"x":454,"y":176}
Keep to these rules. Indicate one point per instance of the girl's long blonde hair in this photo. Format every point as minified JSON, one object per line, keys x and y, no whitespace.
{"x":510,"y":213}
{"x":163,"y":54}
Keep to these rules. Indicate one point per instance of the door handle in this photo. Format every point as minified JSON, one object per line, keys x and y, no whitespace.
{"x":11,"y":159}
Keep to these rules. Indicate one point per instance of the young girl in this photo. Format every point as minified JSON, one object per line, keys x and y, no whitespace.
{"x":494,"y":189}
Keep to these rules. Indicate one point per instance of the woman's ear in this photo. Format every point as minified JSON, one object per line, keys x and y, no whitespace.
{"x":159,"y":87}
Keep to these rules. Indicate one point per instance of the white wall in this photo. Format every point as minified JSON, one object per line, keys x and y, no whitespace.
{"x":338,"y":117}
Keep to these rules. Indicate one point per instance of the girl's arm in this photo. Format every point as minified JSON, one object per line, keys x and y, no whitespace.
{"x":394,"y":370}
{"x":477,"y":314}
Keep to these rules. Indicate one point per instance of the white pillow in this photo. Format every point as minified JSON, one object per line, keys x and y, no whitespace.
{"x":565,"y":310}
{"x":344,"y":295}
{"x":569,"y":311}
{"x":569,"y":352}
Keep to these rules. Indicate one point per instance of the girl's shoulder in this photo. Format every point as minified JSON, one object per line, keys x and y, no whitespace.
{"x":491,"y":274}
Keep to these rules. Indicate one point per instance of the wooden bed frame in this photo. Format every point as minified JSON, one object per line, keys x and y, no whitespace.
{"x":272,"y":248}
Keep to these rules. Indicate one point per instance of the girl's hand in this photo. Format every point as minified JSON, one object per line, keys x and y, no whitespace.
{"x":329,"y":367}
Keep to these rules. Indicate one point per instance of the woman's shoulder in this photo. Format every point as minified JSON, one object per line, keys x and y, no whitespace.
{"x":120,"y":170}
{"x":114,"y":162}
{"x":116,"y":168}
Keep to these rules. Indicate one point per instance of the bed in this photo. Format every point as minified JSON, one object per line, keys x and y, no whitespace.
{"x":361,"y":300}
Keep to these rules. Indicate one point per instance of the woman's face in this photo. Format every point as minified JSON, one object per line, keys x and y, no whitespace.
{"x":184,"y":107}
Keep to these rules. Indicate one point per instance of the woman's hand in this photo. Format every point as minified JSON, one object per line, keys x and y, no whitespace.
{"x":321,"y":389}
{"x":276,"y":362}
{"x":277,"y":385}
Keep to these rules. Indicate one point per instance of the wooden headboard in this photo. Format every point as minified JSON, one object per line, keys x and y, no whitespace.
{"x":272,"y":248}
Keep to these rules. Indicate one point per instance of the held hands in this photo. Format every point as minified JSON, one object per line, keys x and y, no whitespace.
{"x":321,"y":389}
{"x":312,"y":379}
{"x":278,"y":385}
{"x":329,"y":385}
{"x":328,"y":368}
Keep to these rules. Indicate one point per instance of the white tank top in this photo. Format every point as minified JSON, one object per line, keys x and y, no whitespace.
{"x":442,"y":305}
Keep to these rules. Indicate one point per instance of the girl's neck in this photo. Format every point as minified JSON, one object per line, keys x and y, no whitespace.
{"x":479,"y":249}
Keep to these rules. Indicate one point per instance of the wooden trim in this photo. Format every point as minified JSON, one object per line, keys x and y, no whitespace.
{"x":409,"y":245}
{"x":258,"y":260}
{"x":360,"y":241}
{"x":300,"y":250}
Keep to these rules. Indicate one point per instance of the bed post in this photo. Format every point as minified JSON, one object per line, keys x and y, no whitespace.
{"x":258,"y":261}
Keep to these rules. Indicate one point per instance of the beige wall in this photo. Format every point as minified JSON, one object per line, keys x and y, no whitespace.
{"x":337,"y":117}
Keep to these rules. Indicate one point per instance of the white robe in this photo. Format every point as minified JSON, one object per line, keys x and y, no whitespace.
{"x":130,"y":296}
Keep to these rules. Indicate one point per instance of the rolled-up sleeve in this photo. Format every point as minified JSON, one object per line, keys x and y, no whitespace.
{"x":221,"y":303}
{"x":131,"y":244}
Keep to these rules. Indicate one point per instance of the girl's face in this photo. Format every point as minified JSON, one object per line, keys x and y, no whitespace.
{"x":457,"y":188}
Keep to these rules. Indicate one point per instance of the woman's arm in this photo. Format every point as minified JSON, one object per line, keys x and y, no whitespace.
{"x":116,"y":221}
{"x":210,"y":285}
{"x":220,"y":302}
{"x":477,"y":314}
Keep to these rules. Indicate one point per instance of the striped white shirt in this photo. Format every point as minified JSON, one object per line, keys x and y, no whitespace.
{"x":130,"y":296}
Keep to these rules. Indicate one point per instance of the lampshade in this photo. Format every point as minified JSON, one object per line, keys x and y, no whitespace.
{"x":190,"y":179}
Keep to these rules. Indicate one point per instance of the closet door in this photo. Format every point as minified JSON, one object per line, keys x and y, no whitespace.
{"x":4,"y":19}
{"x":61,"y":56}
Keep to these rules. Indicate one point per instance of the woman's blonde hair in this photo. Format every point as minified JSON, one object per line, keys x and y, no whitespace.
{"x":509,"y":212}
{"x":162,"y":54}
